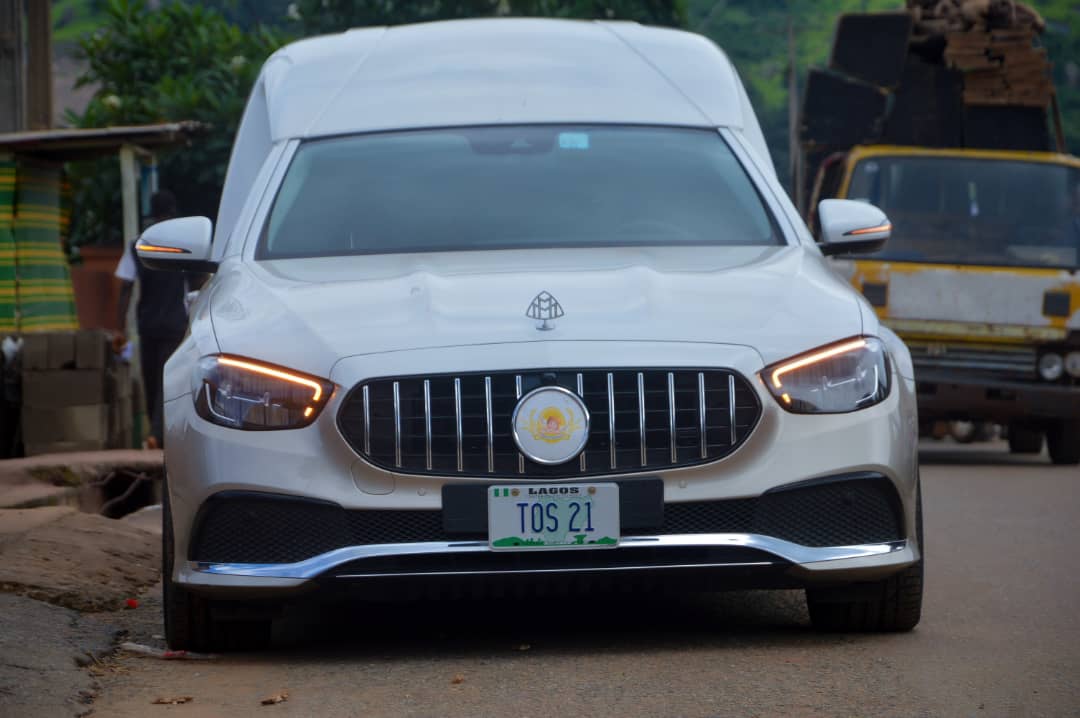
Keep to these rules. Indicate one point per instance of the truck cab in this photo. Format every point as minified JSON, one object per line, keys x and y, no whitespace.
{"x":981,"y":279}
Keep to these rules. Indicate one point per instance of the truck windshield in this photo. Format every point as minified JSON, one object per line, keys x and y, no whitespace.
{"x":514,"y":188}
{"x":974,"y":211}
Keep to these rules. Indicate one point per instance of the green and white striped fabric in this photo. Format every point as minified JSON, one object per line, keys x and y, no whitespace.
{"x":35,"y":284}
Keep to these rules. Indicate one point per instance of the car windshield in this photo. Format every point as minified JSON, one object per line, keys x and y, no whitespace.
{"x":974,"y":211}
{"x":514,"y":188}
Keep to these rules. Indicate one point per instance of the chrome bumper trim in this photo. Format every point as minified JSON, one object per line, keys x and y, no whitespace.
{"x":318,"y":565}
{"x":600,"y":569}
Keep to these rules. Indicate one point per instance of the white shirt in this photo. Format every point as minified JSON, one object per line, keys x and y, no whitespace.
{"x":126,"y":270}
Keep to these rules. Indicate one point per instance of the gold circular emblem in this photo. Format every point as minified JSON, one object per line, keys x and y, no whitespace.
{"x":550,"y":425}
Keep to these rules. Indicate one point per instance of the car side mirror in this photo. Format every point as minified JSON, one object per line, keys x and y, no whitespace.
{"x":852,"y":227}
{"x":178,"y":244}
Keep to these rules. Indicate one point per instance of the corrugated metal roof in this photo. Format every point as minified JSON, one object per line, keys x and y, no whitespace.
{"x":70,"y":144}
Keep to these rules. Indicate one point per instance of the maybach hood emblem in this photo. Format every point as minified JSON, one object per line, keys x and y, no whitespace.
{"x":544,"y":308}
{"x":551,"y":425}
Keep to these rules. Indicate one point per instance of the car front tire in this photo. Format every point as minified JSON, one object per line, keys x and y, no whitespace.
{"x":1063,"y":442}
{"x":189,"y":622}
{"x":891,"y":605}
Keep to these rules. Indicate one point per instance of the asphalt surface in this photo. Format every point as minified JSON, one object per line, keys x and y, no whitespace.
{"x":44,"y":652}
{"x":1000,"y":636}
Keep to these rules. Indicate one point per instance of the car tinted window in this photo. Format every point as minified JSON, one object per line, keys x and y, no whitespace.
{"x":974,"y":211}
{"x":514,"y":188}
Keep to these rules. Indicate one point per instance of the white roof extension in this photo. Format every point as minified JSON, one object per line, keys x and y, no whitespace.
{"x":501,"y":71}
{"x":484,"y":72}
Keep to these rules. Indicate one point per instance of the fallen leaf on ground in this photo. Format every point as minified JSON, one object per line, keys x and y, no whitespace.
{"x":172,"y":701}
{"x":458,"y":679}
{"x":280,"y":697}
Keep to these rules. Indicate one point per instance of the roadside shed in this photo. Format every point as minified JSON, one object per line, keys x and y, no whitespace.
{"x":68,"y":390}
{"x":35,"y":283}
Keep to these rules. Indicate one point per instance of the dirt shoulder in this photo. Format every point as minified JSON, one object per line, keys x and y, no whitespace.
{"x":55,"y":564}
{"x":75,"y":560}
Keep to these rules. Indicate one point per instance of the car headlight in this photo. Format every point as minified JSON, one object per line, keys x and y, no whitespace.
{"x":245,"y":394}
{"x":1072,"y":364}
{"x":834,"y":379}
{"x":1051,"y":366}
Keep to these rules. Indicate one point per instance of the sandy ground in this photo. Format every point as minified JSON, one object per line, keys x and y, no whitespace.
{"x":75,"y":560}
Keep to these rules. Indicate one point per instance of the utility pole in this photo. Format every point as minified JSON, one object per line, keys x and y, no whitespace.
{"x":12,"y":91}
{"x":39,"y":82}
{"x":794,"y":157}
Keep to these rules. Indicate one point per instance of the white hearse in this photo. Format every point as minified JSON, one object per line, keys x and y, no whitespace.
{"x":513,"y":302}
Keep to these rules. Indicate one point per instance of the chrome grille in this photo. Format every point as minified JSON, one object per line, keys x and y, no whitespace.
{"x":1015,"y":361}
{"x":642,"y":420}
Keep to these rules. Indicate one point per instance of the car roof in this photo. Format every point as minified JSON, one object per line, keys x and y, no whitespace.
{"x":496,"y":71}
{"x":499,"y":71}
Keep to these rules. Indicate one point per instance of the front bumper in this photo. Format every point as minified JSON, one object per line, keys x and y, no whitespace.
{"x":793,"y":535}
{"x":957,"y":394}
{"x":316,"y":463}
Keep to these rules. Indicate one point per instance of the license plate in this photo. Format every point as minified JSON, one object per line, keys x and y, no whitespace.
{"x":563,"y":516}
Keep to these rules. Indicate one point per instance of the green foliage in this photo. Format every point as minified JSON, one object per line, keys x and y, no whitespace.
{"x":180,"y":62}
{"x":252,"y":13}
{"x":71,"y":19}
{"x":1062,"y":42}
{"x":322,"y":16}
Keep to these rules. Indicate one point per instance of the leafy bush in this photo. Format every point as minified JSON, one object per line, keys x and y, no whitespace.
{"x":180,"y":62}
{"x":321,"y":16}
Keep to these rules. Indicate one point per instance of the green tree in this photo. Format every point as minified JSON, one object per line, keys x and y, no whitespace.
{"x":180,"y":62}
{"x":1062,"y":42}
{"x":322,"y":16}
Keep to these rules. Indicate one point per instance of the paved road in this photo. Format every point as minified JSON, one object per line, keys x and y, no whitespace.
{"x":1000,"y":637}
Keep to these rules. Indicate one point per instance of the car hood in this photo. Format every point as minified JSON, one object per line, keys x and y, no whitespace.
{"x":309,"y":313}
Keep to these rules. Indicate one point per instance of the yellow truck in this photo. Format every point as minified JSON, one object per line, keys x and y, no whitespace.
{"x":981,"y":278}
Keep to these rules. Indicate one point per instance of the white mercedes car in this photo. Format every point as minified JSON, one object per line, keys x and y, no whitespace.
{"x":502,"y":304}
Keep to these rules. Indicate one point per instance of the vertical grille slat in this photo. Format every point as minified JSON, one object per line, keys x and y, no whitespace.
{"x":641,"y":418}
{"x":731,"y":406}
{"x":367,"y":420}
{"x":427,"y":424}
{"x":490,"y":422}
{"x":656,"y":419}
{"x":671,"y":417}
{"x":611,"y":417}
{"x":457,"y":423}
{"x":517,"y":394}
{"x":581,"y":392}
{"x":701,"y":414}
{"x":397,"y":424}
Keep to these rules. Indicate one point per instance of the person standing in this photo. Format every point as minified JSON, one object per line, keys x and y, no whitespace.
{"x":160,"y":315}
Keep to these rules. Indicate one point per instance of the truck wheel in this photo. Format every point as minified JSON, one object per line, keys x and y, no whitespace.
{"x":1063,"y":441}
{"x":891,"y":605}
{"x":1025,"y":439}
{"x":189,"y":624}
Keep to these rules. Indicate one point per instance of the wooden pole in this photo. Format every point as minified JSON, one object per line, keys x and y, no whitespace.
{"x":39,"y":84}
{"x":12,"y":90}
{"x":129,"y":194}
{"x":793,"y":118}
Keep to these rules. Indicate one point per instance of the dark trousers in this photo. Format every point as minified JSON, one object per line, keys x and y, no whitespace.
{"x":154,"y":351}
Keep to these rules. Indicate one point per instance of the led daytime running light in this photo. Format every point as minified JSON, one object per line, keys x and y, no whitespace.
{"x":887,"y":227}
{"x":814,"y":359}
{"x":157,"y":248}
{"x":316,"y":388}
